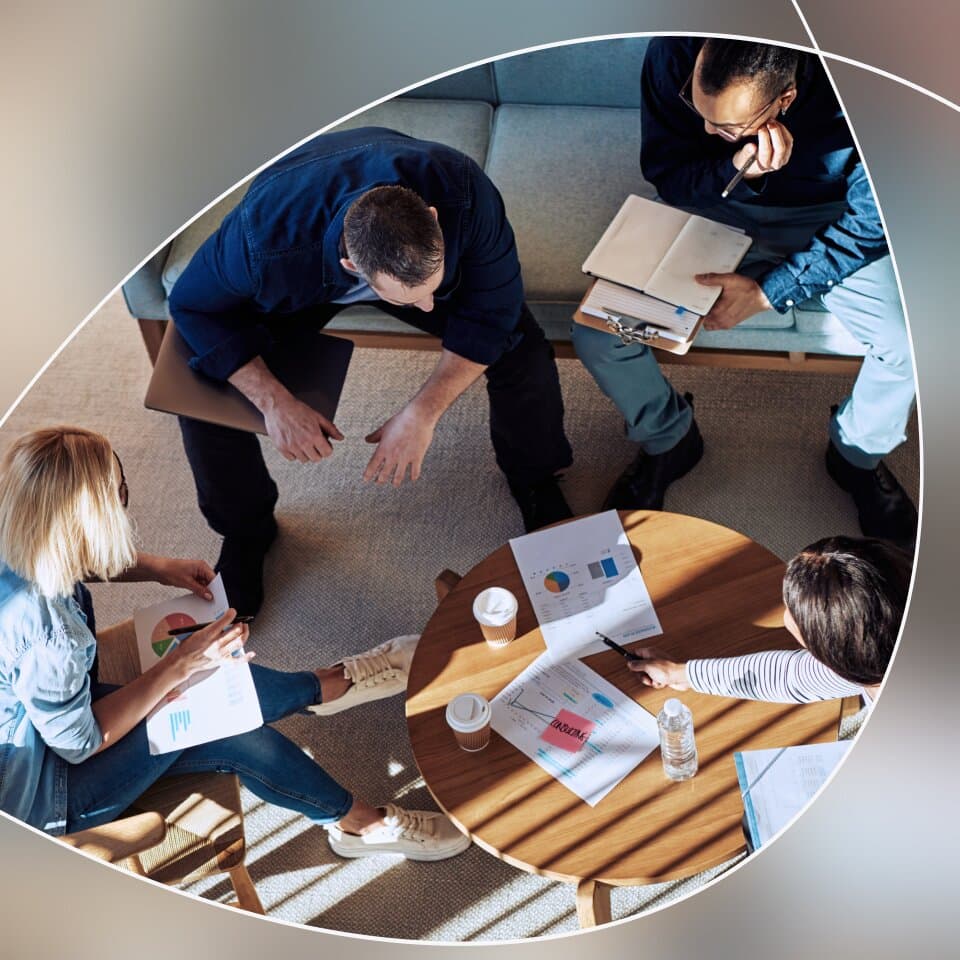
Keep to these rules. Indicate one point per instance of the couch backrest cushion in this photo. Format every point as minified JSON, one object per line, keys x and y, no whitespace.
{"x":597,"y":73}
{"x":475,"y":83}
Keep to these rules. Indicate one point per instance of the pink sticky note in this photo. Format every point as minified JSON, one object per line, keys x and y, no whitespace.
{"x":568,"y":731}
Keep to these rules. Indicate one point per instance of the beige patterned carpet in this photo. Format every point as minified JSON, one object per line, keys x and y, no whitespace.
{"x":354,"y":565}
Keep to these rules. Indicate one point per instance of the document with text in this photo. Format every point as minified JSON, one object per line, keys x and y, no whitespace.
{"x":575,"y":725}
{"x":777,"y":784}
{"x":216,"y":703}
{"x":582,"y":579}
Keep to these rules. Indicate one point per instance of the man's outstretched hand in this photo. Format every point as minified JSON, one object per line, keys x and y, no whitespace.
{"x":402,"y":442}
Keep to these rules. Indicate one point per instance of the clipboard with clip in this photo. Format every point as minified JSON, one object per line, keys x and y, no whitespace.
{"x":632,"y":329}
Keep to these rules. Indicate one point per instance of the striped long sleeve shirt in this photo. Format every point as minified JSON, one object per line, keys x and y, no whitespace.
{"x":780,"y":676}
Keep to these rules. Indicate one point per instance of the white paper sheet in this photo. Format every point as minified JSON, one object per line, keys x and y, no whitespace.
{"x":777,"y":784}
{"x":605,"y":733}
{"x":582,"y":578}
{"x":217,"y":703}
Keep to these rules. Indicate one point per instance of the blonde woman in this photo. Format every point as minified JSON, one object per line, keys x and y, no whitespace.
{"x":73,"y":751}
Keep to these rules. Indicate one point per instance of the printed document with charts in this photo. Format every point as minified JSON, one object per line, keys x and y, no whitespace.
{"x":582,"y":578}
{"x":213,"y":704}
{"x":575,"y":725}
{"x":646,"y":262}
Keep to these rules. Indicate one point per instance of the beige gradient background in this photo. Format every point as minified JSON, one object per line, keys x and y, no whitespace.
{"x":121,"y":121}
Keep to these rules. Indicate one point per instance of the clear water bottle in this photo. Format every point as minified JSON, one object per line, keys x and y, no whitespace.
{"x":678,"y":749}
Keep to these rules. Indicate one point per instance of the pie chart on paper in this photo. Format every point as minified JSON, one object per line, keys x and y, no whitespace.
{"x":160,"y":638}
{"x":556,"y":581}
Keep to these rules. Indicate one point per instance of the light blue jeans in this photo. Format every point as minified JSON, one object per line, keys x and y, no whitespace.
{"x":869,"y":423}
{"x":272,"y":767}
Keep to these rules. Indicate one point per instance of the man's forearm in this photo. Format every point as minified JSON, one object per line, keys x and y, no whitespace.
{"x":255,"y":381}
{"x":450,"y":378}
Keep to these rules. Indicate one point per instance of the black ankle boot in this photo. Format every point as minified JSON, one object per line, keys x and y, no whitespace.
{"x":541,"y":503}
{"x":884,"y":508}
{"x":643,"y":484}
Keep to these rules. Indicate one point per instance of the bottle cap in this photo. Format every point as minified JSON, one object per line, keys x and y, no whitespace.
{"x":673,"y":707}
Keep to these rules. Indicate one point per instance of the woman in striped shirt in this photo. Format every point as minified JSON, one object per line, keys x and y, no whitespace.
{"x":844,"y":599}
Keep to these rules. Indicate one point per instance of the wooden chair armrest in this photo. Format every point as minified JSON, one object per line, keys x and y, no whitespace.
{"x":446,"y":580}
{"x":116,"y":841}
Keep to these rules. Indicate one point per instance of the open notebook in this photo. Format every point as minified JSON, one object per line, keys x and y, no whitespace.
{"x":646,"y":262}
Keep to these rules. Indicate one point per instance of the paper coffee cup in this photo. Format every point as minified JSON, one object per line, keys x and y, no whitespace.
{"x":468,"y":716}
{"x":495,"y":609}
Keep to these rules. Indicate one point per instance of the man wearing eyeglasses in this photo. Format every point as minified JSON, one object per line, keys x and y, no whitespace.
{"x":708,"y":109}
{"x":418,"y":229}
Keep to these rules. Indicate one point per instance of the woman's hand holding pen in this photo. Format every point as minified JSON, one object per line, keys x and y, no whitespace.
{"x":203,"y":649}
{"x":658,"y":672}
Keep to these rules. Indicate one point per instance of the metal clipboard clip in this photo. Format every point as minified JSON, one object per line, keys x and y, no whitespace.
{"x":641,"y":333}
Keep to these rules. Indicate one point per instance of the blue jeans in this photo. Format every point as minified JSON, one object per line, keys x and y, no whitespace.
{"x":274,"y":768}
{"x":869,"y":423}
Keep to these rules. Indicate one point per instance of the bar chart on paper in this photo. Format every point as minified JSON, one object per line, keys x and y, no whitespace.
{"x":582,"y":578}
{"x":208,"y":705}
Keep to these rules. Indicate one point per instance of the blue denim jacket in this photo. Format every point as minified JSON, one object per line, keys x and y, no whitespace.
{"x":46,"y":720}
{"x":278,"y":251}
{"x":690,"y":167}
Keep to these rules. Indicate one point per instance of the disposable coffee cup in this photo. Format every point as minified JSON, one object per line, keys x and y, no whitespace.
{"x":468,"y":716}
{"x":496,"y":611}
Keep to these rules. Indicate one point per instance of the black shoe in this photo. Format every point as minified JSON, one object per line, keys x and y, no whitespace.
{"x":541,"y":503}
{"x":884,"y":508}
{"x":643,"y":484}
{"x":241,"y":566}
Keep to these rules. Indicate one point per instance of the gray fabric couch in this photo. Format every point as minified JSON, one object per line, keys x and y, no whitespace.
{"x":558,"y":131}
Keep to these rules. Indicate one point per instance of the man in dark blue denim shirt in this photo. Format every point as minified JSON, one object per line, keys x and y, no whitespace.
{"x":364,"y":215}
{"x":709,"y":108}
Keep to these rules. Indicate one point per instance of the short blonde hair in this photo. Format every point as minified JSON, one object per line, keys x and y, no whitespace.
{"x":61,"y":519}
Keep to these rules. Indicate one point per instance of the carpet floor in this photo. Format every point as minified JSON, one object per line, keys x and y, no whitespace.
{"x":355,"y":564}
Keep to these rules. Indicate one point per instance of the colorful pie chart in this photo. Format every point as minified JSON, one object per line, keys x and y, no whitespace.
{"x":556,"y":581}
{"x":160,"y":639}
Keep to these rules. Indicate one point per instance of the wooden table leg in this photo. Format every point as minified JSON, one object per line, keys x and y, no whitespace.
{"x":593,"y":903}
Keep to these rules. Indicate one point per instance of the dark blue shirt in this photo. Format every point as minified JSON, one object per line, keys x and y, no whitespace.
{"x":690,"y":167}
{"x":278,"y":251}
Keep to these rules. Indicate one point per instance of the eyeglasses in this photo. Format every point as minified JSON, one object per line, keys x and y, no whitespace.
{"x":729,"y":131}
{"x":123,"y":491}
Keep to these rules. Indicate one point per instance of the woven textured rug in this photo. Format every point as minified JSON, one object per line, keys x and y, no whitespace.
{"x":355,"y":564}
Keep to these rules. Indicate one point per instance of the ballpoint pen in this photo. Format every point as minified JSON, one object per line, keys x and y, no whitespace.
{"x":193,"y":628}
{"x":738,"y":176}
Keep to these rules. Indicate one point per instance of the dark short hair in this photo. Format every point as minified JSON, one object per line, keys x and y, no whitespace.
{"x":390,"y":230}
{"x":847,"y":597}
{"x":725,"y":62}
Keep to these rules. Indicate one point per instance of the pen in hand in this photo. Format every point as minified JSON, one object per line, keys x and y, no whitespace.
{"x":738,"y":176}
{"x":186,"y":631}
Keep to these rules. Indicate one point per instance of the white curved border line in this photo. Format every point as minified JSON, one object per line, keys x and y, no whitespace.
{"x":823,"y":56}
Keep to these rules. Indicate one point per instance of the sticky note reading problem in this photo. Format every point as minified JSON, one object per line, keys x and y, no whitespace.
{"x":568,"y":731}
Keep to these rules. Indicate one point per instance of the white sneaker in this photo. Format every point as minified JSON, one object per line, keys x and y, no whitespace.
{"x":414,"y":834}
{"x":378,"y":673}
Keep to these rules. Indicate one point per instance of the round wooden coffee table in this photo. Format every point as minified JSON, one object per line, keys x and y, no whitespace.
{"x":717,"y":593}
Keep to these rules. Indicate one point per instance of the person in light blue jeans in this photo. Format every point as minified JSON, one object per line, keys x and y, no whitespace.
{"x":708,"y":108}
{"x":73,"y":751}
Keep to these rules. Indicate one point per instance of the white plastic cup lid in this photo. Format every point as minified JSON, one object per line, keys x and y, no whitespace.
{"x":468,"y":712}
{"x":495,"y":606}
